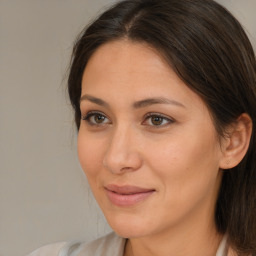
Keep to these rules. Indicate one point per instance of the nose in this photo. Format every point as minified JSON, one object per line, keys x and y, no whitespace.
{"x":123,"y":153}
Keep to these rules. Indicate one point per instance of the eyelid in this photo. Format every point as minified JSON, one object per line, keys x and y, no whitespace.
{"x":146,"y":117}
{"x":91,"y":113}
{"x":152,"y":114}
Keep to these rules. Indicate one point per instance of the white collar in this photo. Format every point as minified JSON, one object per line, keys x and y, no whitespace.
{"x":222,"y":250}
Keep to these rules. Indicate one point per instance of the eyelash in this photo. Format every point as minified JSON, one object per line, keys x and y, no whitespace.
{"x":93,"y":114}
{"x":146,"y":118}
{"x":157,"y":115}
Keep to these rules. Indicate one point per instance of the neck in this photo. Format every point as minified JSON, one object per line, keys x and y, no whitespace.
{"x":194,"y":241}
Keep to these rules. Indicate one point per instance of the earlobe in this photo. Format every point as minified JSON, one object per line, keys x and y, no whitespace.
{"x":235,"y":146}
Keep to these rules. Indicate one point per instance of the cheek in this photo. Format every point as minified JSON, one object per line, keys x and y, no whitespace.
{"x":90,"y":154}
{"x":186,"y":165}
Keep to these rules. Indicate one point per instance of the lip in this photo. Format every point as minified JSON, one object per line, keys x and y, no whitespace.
{"x":127,"y":195}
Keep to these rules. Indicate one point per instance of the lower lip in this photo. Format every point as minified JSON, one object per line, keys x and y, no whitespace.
{"x":127,"y":200}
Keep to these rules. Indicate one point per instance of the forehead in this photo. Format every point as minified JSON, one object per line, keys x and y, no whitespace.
{"x":123,"y":71}
{"x":122,"y":61}
{"x":127,"y":56}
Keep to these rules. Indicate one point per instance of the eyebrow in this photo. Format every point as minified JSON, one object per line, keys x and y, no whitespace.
{"x":157,"y":100}
{"x":94,"y":100}
{"x":137,"y":104}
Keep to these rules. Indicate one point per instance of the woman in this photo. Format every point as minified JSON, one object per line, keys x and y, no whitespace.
{"x":164,"y":94}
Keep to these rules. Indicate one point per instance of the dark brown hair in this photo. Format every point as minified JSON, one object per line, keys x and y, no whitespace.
{"x":209,"y":50}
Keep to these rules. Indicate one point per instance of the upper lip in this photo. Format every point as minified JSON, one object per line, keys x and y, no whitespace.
{"x":127,"y":189}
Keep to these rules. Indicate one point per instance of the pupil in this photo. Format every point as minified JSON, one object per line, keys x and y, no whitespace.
{"x":156,"y":120}
{"x":99,"y":118}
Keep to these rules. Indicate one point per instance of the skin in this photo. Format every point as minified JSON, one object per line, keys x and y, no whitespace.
{"x":179,"y":158}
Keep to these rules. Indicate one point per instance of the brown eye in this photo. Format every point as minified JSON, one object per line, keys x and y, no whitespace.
{"x":96,"y":119}
{"x":157,"y":120}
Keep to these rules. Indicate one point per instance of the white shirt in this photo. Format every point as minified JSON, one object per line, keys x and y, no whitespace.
{"x":109,"y":245}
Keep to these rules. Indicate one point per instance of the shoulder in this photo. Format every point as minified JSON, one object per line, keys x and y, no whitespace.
{"x":109,"y":245}
{"x":50,"y":249}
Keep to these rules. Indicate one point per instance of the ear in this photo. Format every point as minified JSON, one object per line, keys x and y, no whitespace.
{"x":235,"y":145}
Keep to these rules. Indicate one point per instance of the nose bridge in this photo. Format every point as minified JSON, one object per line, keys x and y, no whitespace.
{"x":122,"y":153}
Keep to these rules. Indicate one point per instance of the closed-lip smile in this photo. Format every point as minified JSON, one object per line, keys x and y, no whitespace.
{"x":127,"y":195}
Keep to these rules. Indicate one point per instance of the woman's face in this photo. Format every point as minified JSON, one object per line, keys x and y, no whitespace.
{"x":146,"y":143}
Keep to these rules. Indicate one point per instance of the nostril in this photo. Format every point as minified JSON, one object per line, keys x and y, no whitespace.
{"x":119,"y":164}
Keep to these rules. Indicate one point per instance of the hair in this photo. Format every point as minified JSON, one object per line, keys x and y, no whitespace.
{"x":209,"y":50}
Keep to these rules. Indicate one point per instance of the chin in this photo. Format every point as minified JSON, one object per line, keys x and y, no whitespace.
{"x":128,"y":226}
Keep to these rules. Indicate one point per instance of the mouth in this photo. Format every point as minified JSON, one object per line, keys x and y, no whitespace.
{"x":127,"y":195}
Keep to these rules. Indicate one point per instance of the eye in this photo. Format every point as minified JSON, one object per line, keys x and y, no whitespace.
{"x":96,"y":118}
{"x":157,"y":120}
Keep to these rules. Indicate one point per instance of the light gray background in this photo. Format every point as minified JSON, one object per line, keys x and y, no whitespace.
{"x":44,"y":196}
